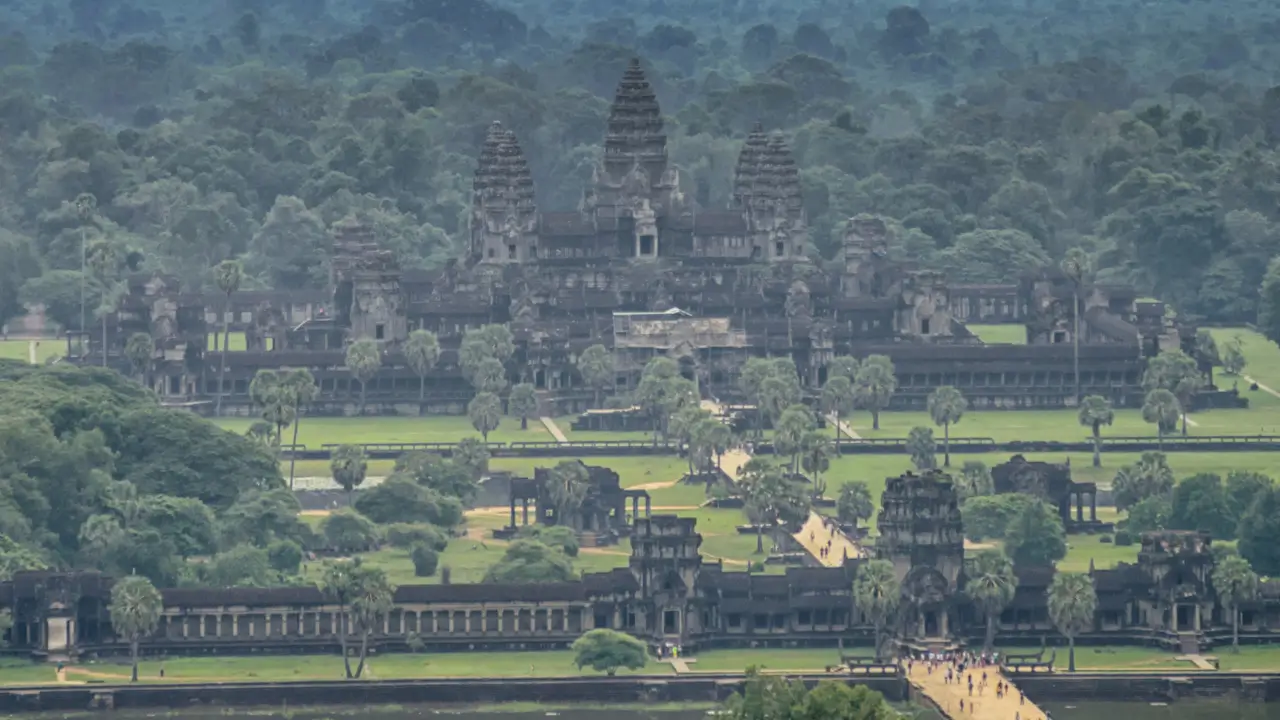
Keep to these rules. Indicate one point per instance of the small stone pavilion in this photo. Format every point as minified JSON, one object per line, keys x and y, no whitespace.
{"x":668,"y":592}
{"x":601,"y":519}
{"x":1052,"y":483}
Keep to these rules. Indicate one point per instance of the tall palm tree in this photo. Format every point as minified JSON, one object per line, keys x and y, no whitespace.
{"x":422,"y":352}
{"x":338,"y":581}
{"x":228,"y":275}
{"x":838,"y":401}
{"x":1076,"y":267}
{"x":348,"y":465}
{"x":991,"y":584}
{"x":485,"y":412}
{"x":568,"y":490}
{"x":267,"y":390}
{"x":877,"y":593}
{"x":370,"y":603}
{"x":1095,"y":411}
{"x":364,"y":359}
{"x":1235,"y":582}
{"x":523,"y":402}
{"x":141,"y":350}
{"x":104,"y":262}
{"x":946,"y":407}
{"x":596,"y":367}
{"x":792,"y":425}
{"x":303,"y":391}
{"x":1072,"y":604}
{"x":874,"y":386}
{"x":815,"y":456}
{"x":135,"y":611}
{"x":1162,"y":409}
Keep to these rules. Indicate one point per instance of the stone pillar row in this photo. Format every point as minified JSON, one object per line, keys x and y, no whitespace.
{"x":424,"y":622}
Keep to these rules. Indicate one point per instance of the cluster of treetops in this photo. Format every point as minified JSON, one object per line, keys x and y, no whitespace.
{"x":992,"y":138}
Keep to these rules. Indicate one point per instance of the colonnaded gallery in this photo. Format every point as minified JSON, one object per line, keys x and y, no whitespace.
{"x":639,"y":267}
{"x":668,"y":593}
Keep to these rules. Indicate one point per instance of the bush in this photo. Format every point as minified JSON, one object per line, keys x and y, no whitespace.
{"x":349,"y":531}
{"x":1123,"y":538}
{"x":446,"y":575}
{"x":406,"y":535}
{"x":285,"y":556}
{"x":988,"y":516}
{"x":425,"y":560}
{"x":556,"y":536}
{"x":1104,"y":539}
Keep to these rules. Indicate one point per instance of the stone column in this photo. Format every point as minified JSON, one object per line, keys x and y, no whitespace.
{"x":648,"y":506}
{"x":526,"y":511}
{"x":635,"y":508}
{"x":203,"y":619}
{"x":1080,"y":507}
{"x":235,"y":625}
{"x":944,"y":623}
{"x":1197,"y":619}
{"x":513,"y":512}
{"x":1093,"y":506}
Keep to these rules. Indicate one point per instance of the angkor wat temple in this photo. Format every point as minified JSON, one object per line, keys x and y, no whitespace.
{"x":639,"y":267}
{"x":669,"y":593}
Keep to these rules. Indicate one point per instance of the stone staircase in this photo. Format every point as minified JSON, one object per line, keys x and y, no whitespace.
{"x":1189,"y":643}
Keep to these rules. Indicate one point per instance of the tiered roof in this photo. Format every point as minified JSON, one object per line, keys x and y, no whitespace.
{"x":635,"y":127}
{"x":767,"y":172}
{"x":503,"y":174}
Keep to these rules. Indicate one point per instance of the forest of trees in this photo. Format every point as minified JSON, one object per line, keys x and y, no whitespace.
{"x":995,"y":136}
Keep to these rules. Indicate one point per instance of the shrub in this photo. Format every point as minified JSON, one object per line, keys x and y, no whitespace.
{"x":285,"y":556}
{"x":349,"y":531}
{"x":406,"y":535}
{"x":1104,"y":539}
{"x":1123,"y":538}
{"x":446,"y":575}
{"x":556,"y":536}
{"x":425,"y":560}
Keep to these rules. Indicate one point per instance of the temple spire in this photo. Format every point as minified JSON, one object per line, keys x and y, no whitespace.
{"x":747,"y":172}
{"x":635,"y":135}
{"x":503,"y":211}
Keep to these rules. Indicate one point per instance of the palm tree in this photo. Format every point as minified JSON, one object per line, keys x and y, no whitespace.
{"x":140,"y":349}
{"x":991,"y":584}
{"x":1076,"y":267}
{"x":1072,"y":604}
{"x":370,"y":603}
{"x":1162,"y":409}
{"x":843,"y":366}
{"x":946,"y":407}
{"x":1236,"y":583}
{"x":522,"y":403}
{"x":135,"y":611}
{"x":104,"y":262}
{"x":776,"y":395}
{"x":228,"y":275}
{"x":874,"y":386}
{"x":489,"y":376}
{"x":815,"y":455}
{"x":772,"y":497}
{"x":596,"y":366}
{"x":268,"y":391}
{"x":422,"y":352}
{"x":338,"y":583}
{"x":751,"y":382}
{"x":485,"y":411}
{"x":877,"y":593}
{"x":790,"y":430}
{"x":1095,"y":411}
{"x":855,"y":503}
{"x":348,"y":464}
{"x":1177,"y":372}
{"x":837,"y":401}
{"x":364,"y":359}
{"x":302,"y":389}
{"x":568,"y":490}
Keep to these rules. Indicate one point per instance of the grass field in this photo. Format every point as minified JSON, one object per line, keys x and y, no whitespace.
{"x":46,"y":349}
{"x":314,"y":432}
{"x":1000,"y":334}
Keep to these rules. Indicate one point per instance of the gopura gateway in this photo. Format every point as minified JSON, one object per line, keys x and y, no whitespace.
{"x":639,"y":267}
{"x":668,"y":593}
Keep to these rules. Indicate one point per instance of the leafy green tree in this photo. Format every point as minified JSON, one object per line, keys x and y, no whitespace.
{"x":607,"y":651}
{"x":991,"y":584}
{"x":989,"y":517}
{"x":974,"y":481}
{"x":838,"y":401}
{"x":135,"y":612}
{"x":946,"y":407}
{"x":1200,"y":502}
{"x":425,"y":560}
{"x":874,"y":386}
{"x":1162,"y":409}
{"x":1177,"y":373}
{"x":399,"y":499}
{"x":406,"y":535}
{"x":568,"y":486}
{"x":363,"y":360}
{"x":522,"y":403}
{"x":1233,"y":359}
{"x":1072,"y":604}
{"x":751,"y":383}
{"x":140,"y":349}
{"x":1242,"y":489}
{"x":1269,"y":303}
{"x":422,"y":352}
{"x":596,"y":366}
{"x":772,"y":498}
{"x":1035,"y":536}
{"x":485,"y":412}
{"x":348,"y":465}
{"x":789,"y":431}
{"x":1150,"y":476}
{"x":1235,"y":582}
{"x":922,"y":448}
{"x":227,"y":275}
{"x":241,"y":566}
{"x":347,"y":531}
{"x":1149,"y":515}
{"x":472,"y":456}
{"x":843,"y":366}
{"x":1095,"y":411}
{"x":529,"y":562}
{"x":1259,"y":533}
{"x":285,"y":556}
{"x":489,"y":376}
{"x":815,"y":457}
{"x":489,"y":342}
{"x":877,"y":593}
{"x":855,"y":504}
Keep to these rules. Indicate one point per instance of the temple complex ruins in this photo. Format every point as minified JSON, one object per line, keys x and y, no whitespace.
{"x":639,"y":267}
{"x":669,"y":592}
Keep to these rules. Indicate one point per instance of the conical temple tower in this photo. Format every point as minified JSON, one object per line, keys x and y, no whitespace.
{"x":767,"y":189}
{"x":504,"y":215}
{"x":635,"y":134}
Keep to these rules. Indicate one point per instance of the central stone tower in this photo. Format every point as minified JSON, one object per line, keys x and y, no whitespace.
{"x":504,"y":216}
{"x":766,"y":187}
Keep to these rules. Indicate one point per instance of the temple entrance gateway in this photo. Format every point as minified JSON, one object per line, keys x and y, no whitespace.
{"x":671,"y":622}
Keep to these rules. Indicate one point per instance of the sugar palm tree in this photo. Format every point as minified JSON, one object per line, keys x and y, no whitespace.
{"x":792,"y":425}
{"x":1095,"y":411}
{"x":485,"y":412}
{"x":1076,"y":266}
{"x":522,"y":403}
{"x":1162,"y":409}
{"x":874,"y":385}
{"x":946,"y":407}
{"x":363,"y":359}
{"x":877,"y":593}
{"x":991,"y":584}
{"x":370,"y":603}
{"x":338,"y":581}
{"x":815,"y":455}
{"x":104,"y":263}
{"x":1235,"y":582}
{"x":348,"y":465}
{"x":838,"y":401}
{"x":1072,"y":604}
{"x":141,"y":350}
{"x":135,"y":611}
{"x":302,"y":389}
{"x":228,"y":275}
{"x":596,"y":366}
{"x":422,"y":352}
{"x":568,"y":490}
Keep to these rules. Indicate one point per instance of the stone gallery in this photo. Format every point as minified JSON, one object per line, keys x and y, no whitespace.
{"x":669,"y":593}
{"x":640,"y":268}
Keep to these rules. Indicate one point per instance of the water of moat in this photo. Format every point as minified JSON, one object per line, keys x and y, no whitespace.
{"x":1083,"y":710}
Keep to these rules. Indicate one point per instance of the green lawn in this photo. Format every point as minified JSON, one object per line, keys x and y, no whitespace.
{"x":314,"y":432}
{"x":46,"y":349}
{"x":1006,"y":334}
{"x":769,"y":659}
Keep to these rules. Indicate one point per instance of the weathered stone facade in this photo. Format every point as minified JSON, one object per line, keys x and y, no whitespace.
{"x":669,"y":593}
{"x":739,"y":281}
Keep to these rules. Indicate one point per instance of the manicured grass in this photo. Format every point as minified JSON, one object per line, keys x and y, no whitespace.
{"x":1007,"y":334}
{"x":633,"y":471}
{"x":1118,"y":657}
{"x":769,"y":659}
{"x":1250,"y":657}
{"x":21,"y":672}
{"x":317,"y":431}
{"x":323,"y":667}
{"x":46,"y":349}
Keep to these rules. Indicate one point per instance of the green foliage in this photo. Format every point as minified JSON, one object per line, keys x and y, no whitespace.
{"x":1259,"y":533}
{"x":348,"y":531}
{"x":135,"y":609}
{"x":991,"y":584}
{"x":348,"y":466}
{"x":401,"y":500}
{"x":922,"y":448}
{"x":406,"y":535}
{"x":554,"y":536}
{"x":974,"y":480}
{"x":608,"y":651}
{"x":1149,"y":515}
{"x":523,"y":402}
{"x":1235,"y":583}
{"x":1072,"y":604}
{"x":529,"y":561}
{"x":989,"y":516}
{"x":425,"y":559}
{"x":1200,"y":502}
{"x":1149,"y":477}
{"x":855,"y":503}
{"x":485,"y":412}
{"x":1035,"y":536}
{"x":877,"y":593}
{"x":285,"y":556}
{"x":243,"y":565}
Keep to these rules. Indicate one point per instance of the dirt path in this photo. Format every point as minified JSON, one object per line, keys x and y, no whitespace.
{"x":1261,"y":387}
{"x":554,"y":429}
